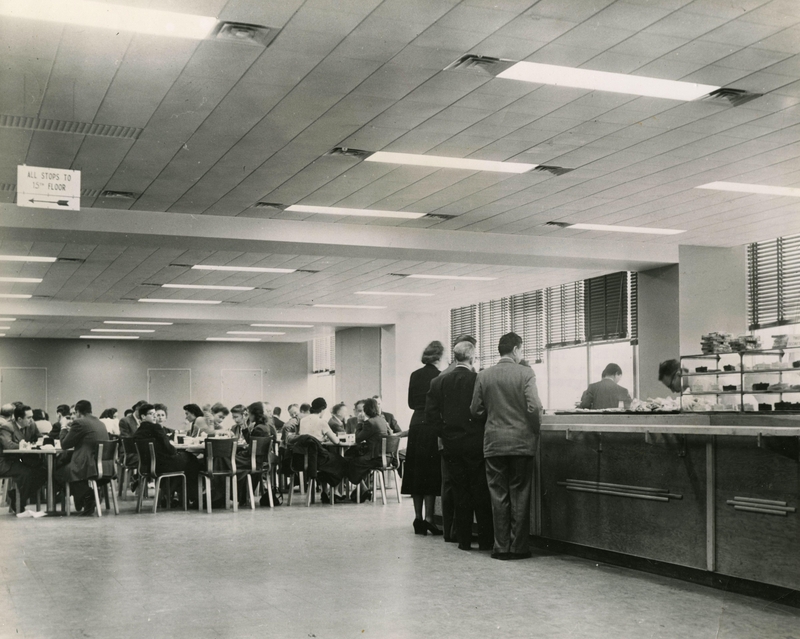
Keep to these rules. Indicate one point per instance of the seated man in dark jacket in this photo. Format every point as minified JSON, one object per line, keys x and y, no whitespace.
{"x":167,"y":458}
{"x":27,"y":471}
{"x":80,"y":464}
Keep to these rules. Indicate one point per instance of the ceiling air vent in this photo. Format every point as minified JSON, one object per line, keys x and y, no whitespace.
{"x":734,"y":97}
{"x":252,"y":34}
{"x":119,"y":195}
{"x":482,"y":63}
{"x":555,"y":170}
{"x":74,"y":260}
{"x":270,"y":205}
{"x":64,"y":126}
{"x":561,"y":225}
{"x":348,"y":152}
{"x":438,"y":216}
{"x":305,"y":270}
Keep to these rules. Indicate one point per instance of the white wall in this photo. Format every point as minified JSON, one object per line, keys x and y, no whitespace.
{"x":114,"y":373}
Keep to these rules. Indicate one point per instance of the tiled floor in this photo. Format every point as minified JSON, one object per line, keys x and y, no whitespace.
{"x":325,"y":572}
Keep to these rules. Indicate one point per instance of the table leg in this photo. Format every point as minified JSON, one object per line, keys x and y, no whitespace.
{"x":51,"y":502}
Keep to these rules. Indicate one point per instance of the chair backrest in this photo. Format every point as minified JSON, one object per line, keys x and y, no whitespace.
{"x":259,"y":452}
{"x":389,"y":447}
{"x":224,"y":450}
{"x":147,"y":456}
{"x":105,"y":454}
{"x":129,"y":452}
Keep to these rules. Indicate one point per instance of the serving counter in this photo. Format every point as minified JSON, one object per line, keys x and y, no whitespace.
{"x":716,"y":493}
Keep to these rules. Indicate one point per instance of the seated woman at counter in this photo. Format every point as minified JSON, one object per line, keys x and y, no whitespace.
{"x":607,"y":393}
{"x":167,"y":458}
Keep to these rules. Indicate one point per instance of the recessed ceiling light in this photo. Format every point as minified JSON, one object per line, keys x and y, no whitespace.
{"x":467,"y":278}
{"x":617,"y":229}
{"x":21,"y":280}
{"x":283,"y":325}
{"x":142,"y":323}
{"x":243,"y":269}
{"x":156,"y":300}
{"x":26,"y":258}
{"x":111,"y":16}
{"x":210,"y":287}
{"x":8,"y":319}
{"x":394,"y":293}
{"x":255,"y":333}
{"x":761,"y":189}
{"x":345,"y":306}
{"x":109,"y":337}
{"x":15,"y":296}
{"x":449,"y":163}
{"x":123,"y":330}
{"x":605,"y":81}
{"x":232,"y":339}
{"x":336,"y":210}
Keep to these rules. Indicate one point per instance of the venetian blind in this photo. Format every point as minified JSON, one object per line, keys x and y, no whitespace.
{"x":527,"y":321}
{"x":605,"y":307}
{"x":773,"y":282}
{"x":463,"y":321}
{"x":494,"y":321}
{"x":324,"y":354}
{"x":564,"y":314}
{"x":633,"y":307}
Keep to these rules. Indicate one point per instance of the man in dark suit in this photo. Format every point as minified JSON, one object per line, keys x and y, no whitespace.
{"x":607,"y":393}
{"x":447,"y":411}
{"x":130,"y":424}
{"x":506,"y":395}
{"x":390,"y":420}
{"x":82,"y":435}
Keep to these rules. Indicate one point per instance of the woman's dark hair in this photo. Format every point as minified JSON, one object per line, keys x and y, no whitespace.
{"x":256,"y":410}
{"x":433,"y":352}
{"x":38,"y":415}
{"x":161,"y":407}
{"x":612,"y":369}
{"x":305,"y":408}
{"x":108,"y":413}
{"x":194,"y":409}
{"x":371,"y":407}
{"x":318,"y":405}
{"x":128,"y":411}
{"x":63,"y":409}
{"x":276,"y":411}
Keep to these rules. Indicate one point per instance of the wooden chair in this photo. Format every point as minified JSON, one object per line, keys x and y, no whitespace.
{"x":129,"y":461}
{"x":302,"y":475}
{"x":105,"y":454}
{"x":147,"y":471}
{"x":260,"y":467}
{"x":389,"y":463}
{"x":224,"y":450}
{"x":6,"y":484}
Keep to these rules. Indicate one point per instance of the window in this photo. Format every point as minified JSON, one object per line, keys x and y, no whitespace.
{"x":565,"y":315}
{"x":495,"y":321}
{"x":463,"y":321}
{"x":605,"y":305}
{"x":527,"y":321}
{"x":773,"y":282}
{"x":324,"y":354}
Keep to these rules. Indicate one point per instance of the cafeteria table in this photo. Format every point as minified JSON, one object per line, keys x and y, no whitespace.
{"x":49,"y":454}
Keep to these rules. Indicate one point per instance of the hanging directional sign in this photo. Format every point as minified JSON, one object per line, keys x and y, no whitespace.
{"x":44,"y":188}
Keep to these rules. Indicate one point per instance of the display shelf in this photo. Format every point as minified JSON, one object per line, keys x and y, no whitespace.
{"x":713,"y":373}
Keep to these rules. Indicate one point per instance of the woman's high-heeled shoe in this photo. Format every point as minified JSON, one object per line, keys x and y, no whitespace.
{"x":432,"y":529}
{"x":420,"y":528}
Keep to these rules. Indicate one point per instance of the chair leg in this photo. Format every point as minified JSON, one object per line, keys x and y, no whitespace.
{"x":67,"y":499}
{"x":382,"y":485}
{"x":397,"y":485}
{"x":140,"y":494}
{"x":114,"y":496}
{"x":123,"y":477}
{"x":168,"y":492}
{"x":185,"y":503}
{"x":97,"y":503}
{"x":312,"y":487}
{"x":156,"y":492}
{"x":291,"y":489}
{"x":208,"y":494}
{"x":250,"y":493}
{"x":269,"y":490}
{"x":227,"y":493}
{"x":105,"y":494}
{"x":302,"y":482}
{"x":235,"y":493}
{"x":358,"y":493}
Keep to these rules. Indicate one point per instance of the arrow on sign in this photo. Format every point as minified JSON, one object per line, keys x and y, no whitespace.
{"x":59,"y":202}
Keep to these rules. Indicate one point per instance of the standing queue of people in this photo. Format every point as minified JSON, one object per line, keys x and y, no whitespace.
{"x":488,"y":425}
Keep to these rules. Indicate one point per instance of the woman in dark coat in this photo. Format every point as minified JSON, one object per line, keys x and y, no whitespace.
{"x":422,"y":477}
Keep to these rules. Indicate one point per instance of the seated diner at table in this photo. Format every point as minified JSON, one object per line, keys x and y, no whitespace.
{"x":27,"y":471}
{"x":196,"y":422}
{"x":366,"y":455}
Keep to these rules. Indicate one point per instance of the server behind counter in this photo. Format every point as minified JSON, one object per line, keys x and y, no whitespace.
{"x":607,"y":393}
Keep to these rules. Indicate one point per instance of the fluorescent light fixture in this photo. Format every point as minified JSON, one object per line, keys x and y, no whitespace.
{"x":111,"y":16}
{"x":109,"y":337}
{"x":26,"y":258}
{"x":345,"y":306}
{"x":337,"y":210}
{"x":232,"y":339}
{"x":15,"y":296}
{"x":761,"y":189}
{"x":21,"y":280}
{"x":123,"y":330}
{"x":625,"y":229}
{"x":156,"y":300}
{"x":209,"y":287}
{"x":242,"y":269}
{"x":605,"y":81}
{"x":255,"y":333}
{"x":466,"y":278}
{"x":283,"y":325}
{"x":393,"y":293}
{"x":8,"y":319}
{"x":5,"y":328}
{"x":449,"y":163}
{"x":2,"y":334}
{"x":140,"y":323}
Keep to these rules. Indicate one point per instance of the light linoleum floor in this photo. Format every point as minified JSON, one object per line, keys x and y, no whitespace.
{"x":328,"y":572}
